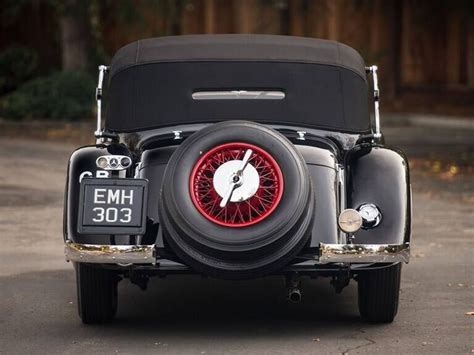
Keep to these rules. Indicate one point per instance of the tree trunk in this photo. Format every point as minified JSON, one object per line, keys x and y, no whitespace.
{"x":74,"y":35}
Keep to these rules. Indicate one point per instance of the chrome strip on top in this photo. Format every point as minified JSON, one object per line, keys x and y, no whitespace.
{"x":363,"y":253}
{"x":110,"y":254}
{"x":238,"y":95}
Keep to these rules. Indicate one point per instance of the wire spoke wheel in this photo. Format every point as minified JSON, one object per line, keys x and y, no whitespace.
{"x":236,"y":201}
{"x":253,"y":196}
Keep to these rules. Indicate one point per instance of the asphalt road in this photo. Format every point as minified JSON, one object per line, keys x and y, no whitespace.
{"x":181,"y":315}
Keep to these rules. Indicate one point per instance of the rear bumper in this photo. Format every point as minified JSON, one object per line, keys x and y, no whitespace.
{"x":328,"y":253}
{"x":363,"y":253}
{"x":110,"y":254}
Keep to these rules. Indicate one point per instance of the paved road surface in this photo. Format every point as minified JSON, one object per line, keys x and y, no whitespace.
{"x":180,"y":315}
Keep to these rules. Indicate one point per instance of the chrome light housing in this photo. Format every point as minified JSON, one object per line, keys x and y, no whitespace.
{"x":113,"y":162}
{"x":371,"y":215}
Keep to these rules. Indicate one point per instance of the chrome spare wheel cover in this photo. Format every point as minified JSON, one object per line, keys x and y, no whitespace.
{"x":247,"y":185}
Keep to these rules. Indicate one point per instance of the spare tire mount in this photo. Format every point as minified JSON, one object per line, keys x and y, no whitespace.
{"x":236,"y":201}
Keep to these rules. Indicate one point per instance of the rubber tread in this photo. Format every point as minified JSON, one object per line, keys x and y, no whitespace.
{"x":379,"y":292}
{"x":96,"y":293}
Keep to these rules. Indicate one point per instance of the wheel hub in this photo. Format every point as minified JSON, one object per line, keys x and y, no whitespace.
{"x":246,"y":185}
{"x":236,"y":184}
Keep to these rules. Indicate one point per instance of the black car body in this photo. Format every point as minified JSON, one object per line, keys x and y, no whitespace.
{"x":238,"y":156}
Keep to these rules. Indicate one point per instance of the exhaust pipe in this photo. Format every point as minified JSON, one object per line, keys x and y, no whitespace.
{"x":293,"y":286}
{"x":294,"y":295}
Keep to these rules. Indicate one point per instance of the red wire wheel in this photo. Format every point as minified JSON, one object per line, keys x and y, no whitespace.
{"x":243,"y":212}
{"x":263,"y":186}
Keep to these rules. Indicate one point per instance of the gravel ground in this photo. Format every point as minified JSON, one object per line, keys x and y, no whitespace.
{"x":180,"y":315}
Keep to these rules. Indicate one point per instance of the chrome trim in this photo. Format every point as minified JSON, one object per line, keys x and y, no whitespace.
{"x":363,"y":253}
{"x":301,"y":135}
{"x":98,"y":96}
{"x":371,"y":215}
{"x":341,"y":191}
{"x":373,"y":70}
{"x":238,"y":95}
{"x":177,"y":135}
{"x":137,"y":170}
{"x":114,"y":168}
{"x":110,"y":254}
{"x":236,"y":180}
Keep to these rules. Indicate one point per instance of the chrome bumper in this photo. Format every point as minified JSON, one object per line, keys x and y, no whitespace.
{"x":363,"y":253}
{"x":110,"y":254}
{"x":145,"y":254}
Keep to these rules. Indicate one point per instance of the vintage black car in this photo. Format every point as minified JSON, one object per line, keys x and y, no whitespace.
{"x":237,"y":157}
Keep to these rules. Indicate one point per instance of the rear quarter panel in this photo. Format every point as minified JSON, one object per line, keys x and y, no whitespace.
{"x":380,"y":175}
{"x":82,"y":163}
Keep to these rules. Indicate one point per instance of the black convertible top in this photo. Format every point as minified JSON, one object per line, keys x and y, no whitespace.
{"x":238,"y":48}
{"x":152,"y":81}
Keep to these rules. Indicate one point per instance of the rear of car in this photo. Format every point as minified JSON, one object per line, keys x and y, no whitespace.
{"x":236,"y":157}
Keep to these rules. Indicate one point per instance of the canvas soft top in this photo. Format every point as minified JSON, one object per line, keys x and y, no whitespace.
{"x":238,"y":48}
{"x":152,"y":81}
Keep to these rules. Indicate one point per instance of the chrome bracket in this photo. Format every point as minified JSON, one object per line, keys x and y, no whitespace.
{"x":301,"y":135}
{"x":177,"y":135}
{"x":99,"y":133}
{"x":350,"y":238}
{"x":373,"y":70}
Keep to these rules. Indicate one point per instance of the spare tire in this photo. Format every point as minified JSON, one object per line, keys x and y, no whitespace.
{"x":267,"y":217}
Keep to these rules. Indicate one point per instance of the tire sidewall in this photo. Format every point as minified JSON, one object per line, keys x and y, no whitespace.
{"x":188,"y":218}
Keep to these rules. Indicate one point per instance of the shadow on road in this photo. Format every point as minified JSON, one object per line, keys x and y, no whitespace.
{"x":175,"y":313}
{"x":184,"y":305}
{"x":192,"y":302}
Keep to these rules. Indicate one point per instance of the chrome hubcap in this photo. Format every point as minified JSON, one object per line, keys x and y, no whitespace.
{"x":246,"y":185}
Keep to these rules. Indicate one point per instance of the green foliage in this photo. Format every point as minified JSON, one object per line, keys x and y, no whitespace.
{"x":63,"y":95}
{"x":17,"y":64}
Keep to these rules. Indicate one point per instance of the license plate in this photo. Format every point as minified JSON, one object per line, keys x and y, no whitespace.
{"x":112,"y":206}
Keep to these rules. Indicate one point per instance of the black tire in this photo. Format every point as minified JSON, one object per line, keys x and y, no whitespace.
{"x":245,"y":252}
{"x":96,"y":293}
{"x":379,"y":291}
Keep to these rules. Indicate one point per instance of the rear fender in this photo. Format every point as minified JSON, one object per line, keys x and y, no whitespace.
{"x":380,"y":176}
{"x":82,"y":163}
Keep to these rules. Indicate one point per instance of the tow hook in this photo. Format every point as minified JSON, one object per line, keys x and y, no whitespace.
{"x":293,"y":285}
